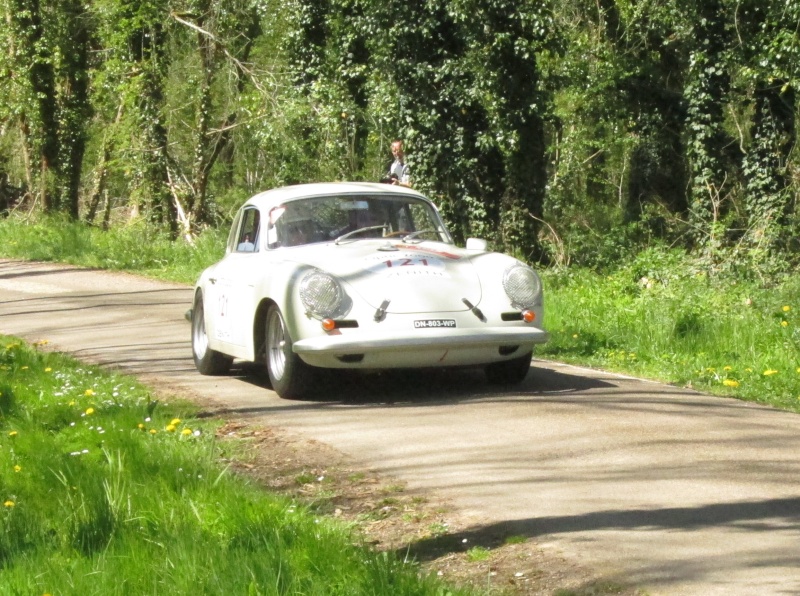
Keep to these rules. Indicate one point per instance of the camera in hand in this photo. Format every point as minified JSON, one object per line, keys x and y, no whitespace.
{"x":389,"y":179}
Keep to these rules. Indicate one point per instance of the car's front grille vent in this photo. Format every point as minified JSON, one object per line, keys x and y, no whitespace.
{"x":346,"y":324}
{"x":350,"y":358}
{"x":507,"y":350}
{"x":511,"y":316}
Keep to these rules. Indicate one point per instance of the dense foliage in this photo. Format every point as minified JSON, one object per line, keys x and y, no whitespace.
{"x":571,"y":132}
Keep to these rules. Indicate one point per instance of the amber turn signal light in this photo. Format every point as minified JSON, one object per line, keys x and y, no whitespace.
{"x":328,"y":324}
{"x":528,"y":316}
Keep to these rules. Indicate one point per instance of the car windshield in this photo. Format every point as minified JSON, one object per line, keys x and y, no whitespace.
{"x":349,"y":218}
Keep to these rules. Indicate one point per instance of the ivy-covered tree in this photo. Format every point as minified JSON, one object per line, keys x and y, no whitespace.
{"x":769,"y":54}
{"x":438,"y":112}
{"x":710,"y":149}
{"x":507,"y":39}
{"x":45,"y":94}
{"x":135,"y":36}
{"x":653,"y":84}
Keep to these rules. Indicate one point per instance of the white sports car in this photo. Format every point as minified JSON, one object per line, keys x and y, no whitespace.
{"x":360,"y":276}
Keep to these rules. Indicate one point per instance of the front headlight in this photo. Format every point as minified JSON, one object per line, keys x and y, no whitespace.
{"x":322,"y":295}
{"x":522,"y":286}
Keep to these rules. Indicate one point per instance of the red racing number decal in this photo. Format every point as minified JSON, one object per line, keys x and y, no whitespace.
{"x":406,"y":263}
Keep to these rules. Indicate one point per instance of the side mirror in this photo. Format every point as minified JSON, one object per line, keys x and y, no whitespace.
{"x":272,"y":237}
{"x":476,"y":244}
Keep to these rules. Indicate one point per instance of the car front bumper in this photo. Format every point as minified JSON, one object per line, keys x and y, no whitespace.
{"x":419,"y":348}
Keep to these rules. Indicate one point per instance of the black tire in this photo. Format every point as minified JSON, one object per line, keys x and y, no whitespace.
{"x":291,"y":378}
{"x":207,"y":361}
{"x":509,"y":372}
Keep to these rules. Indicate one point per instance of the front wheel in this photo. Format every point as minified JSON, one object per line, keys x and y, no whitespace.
{"x":509,"y":372}
{"x":207,"y":361}
{"x":291,"y":378}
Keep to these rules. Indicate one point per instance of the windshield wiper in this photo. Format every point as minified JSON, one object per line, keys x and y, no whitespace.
{"x":358,"y":231}
{"x":413,"y":235}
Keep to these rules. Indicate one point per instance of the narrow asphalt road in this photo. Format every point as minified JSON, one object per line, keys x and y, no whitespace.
{"x":677,"y":492}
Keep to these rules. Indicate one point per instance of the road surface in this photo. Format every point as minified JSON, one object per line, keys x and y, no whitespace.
{"x":677,"y":492}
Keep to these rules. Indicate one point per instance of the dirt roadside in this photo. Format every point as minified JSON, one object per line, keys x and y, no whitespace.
{"x":388,"y":517}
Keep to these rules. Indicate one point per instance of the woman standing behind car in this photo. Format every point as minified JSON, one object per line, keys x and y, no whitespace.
{"x":399,"y":173}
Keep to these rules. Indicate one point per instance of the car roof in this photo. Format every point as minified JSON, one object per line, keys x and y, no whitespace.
{"x":277,"y":196}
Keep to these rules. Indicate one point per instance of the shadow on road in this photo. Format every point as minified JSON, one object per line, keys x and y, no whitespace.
{"x":772,"y":514}
{"x":30,"y":271}
{"x":97,"y":300}
{"x":414,"y":388}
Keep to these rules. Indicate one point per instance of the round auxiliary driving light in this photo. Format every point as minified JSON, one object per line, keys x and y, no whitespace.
{"x":522,"y":286}
{"x":322,"y":294}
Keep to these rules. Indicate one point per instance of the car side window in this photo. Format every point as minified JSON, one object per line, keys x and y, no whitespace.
{"x":247,"y":240}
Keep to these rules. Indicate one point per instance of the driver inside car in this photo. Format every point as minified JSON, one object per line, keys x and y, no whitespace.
{"x":296,"y":234}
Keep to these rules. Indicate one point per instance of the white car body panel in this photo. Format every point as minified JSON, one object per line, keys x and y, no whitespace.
{"x":413,"y":279}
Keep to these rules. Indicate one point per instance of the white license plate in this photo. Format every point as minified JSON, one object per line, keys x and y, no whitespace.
{"x":428,"y":323}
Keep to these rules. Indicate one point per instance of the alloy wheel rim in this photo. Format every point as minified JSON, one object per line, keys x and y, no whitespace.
{"x":276,"y":342}
{"x":200,"y":338}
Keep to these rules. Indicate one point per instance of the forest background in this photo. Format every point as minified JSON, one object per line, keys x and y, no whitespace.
{"x":567,"y":133}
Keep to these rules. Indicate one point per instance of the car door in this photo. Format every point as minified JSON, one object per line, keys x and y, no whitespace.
{"x":234,"y":284}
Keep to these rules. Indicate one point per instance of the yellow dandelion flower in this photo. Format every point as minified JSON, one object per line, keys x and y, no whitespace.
{"x":89,"y":392}
{"x":89,"y":411}
{"x":787,"y":308}
{"x":730,"y":383}
{"x":784,"y":323}
{"x":575,"y":336}
{"x":17,"y":468}
{"x":727,"y":368}
{"x":770,"y":371}
{"x":71,"y":403}
{"x":175,"y":421}
{"x":170,"y":428}
{"x":48,"y":369}
{"x":797,"y":369}
{"x":140,"y":426}
{"x":153,"y":431}
{"x":9,"y":504}
{"x":24,"y":368}
{"x":13,"y":433}
{"x":186,"y":431}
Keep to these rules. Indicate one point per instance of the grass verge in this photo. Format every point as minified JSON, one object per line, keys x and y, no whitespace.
{"x":134,"y":247}
{"x":664,"y":316}
{"x":106,"y":491}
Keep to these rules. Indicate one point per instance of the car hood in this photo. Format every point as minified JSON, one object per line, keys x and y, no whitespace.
{"x":413,"y":278}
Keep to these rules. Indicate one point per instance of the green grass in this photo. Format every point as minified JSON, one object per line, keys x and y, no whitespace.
{"x":105,"y":491}
{"x":478,"y":553}
{"x":134,"y":247}
{"x":663,"y":317}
